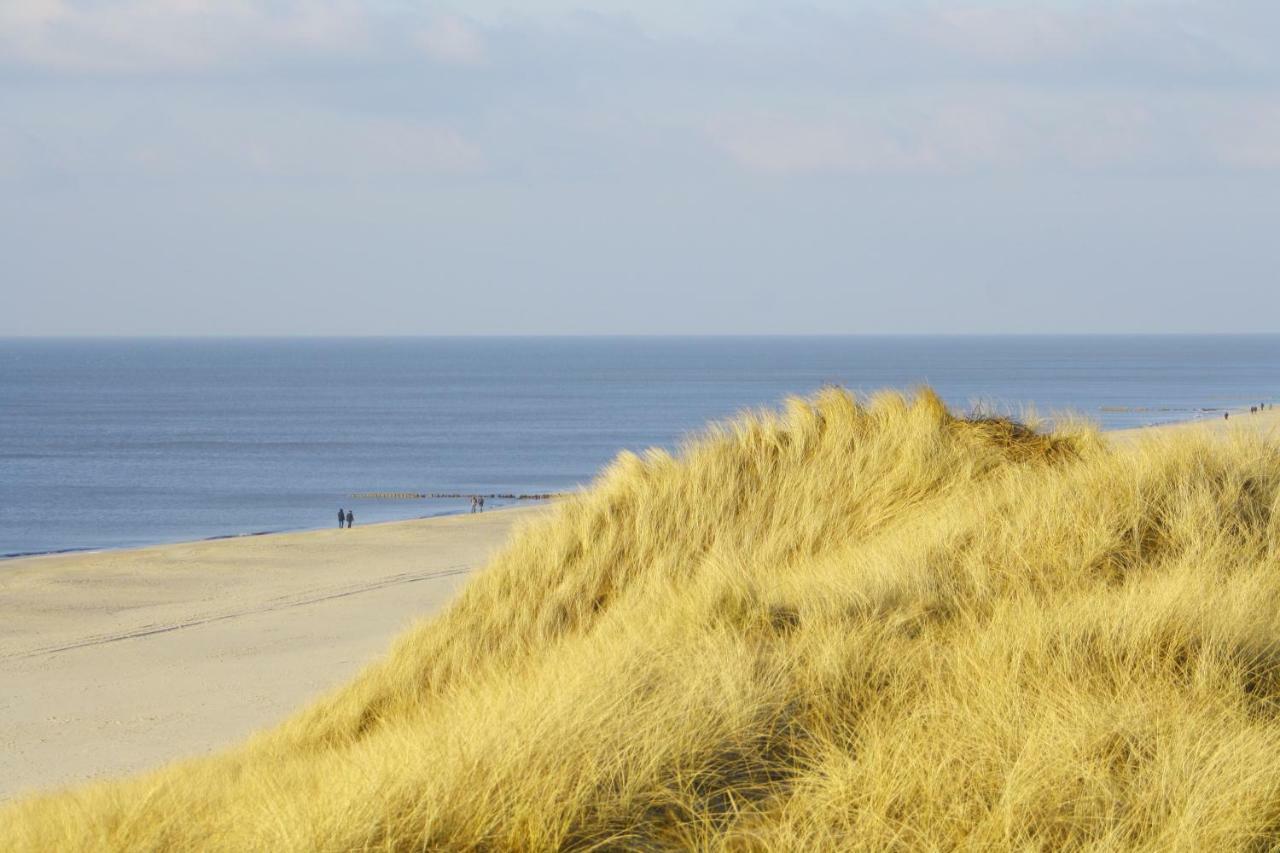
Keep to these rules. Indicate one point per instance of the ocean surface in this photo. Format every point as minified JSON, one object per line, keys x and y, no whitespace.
{"x":112,"y":443}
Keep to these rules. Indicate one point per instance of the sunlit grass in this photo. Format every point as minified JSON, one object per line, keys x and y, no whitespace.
{"x":848,"y":625}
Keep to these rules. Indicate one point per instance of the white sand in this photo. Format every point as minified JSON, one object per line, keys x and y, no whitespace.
{"x":1265,"y":422}
{"x":118,"y":661}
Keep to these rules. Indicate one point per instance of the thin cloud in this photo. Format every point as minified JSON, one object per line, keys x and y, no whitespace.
{"x":217,"y":141}
{"x":932,"y":88}
{"x":979,"y":130}
{"x":320,"y":146}
{"x":171,"y":35}
{"x":784,"y":146}
{"x":452,"y":41}
{"x":1247,"y":136}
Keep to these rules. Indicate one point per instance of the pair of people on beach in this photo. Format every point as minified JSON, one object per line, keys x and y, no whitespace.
{"x":349,"y":517}
{"x":477,"y":503}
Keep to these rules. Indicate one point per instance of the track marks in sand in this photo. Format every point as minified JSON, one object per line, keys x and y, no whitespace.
{"x":278,"y":603}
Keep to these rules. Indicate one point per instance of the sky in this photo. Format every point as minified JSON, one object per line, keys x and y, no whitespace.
{"x":332,"y":167}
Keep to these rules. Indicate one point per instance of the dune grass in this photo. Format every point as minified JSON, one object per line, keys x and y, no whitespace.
{"x":855,"y":625}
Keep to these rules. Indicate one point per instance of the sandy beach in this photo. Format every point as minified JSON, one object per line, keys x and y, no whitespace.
{"x":118,"y":661}
{"x":1266,"y":421}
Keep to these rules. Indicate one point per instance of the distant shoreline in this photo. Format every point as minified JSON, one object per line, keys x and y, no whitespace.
{"x":1204,"y":415}
{"x":90,"y":549}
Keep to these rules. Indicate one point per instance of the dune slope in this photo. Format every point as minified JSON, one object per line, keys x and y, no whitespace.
{"x":856,"y":625}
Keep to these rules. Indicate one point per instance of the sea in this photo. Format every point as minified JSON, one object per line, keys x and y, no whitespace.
{"x":110,"y":443}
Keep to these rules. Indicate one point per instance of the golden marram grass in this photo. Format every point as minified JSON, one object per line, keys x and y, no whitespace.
{"x":856,"y":625}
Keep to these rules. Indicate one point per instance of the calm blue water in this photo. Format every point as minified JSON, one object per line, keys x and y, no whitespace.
{"x":116,"y":443}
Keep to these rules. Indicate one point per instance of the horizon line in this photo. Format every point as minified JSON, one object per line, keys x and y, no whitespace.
{"x":622,"y":335}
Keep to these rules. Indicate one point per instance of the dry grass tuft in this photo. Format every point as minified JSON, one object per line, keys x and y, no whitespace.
{"x":858,"y":626}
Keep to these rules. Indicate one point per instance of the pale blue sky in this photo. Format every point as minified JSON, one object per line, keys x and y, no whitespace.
{"x":547,"y":167}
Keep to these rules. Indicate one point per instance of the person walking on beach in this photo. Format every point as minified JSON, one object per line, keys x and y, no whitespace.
{"x":351,"y":518}
{"x":341,"y":517}
{"x":474,"y":503}
{"x":481,"y":503}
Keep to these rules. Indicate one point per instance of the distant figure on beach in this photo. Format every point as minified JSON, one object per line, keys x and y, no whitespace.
{"x":351,"y":518}
{"x":475,"y":502}
{"x":1226,"y":415}
{"x":481,"y":499}
{"x":341,"y":517}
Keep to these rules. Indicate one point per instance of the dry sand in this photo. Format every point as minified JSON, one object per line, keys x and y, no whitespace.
{"x":121,"y":660}
{"x":118,"y":661}
{"x":1266,"y":422}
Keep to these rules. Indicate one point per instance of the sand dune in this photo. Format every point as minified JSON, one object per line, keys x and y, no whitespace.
{"x":118,"y":661}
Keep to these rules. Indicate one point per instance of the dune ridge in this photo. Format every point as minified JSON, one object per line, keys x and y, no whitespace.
{"x":850,"y":624}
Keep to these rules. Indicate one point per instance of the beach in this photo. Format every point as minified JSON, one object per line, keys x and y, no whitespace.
{"x":1265,"y":422}
{"x":119,"y":661}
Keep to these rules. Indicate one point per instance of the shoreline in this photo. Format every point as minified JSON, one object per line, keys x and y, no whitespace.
{"x":1204,"y":416}
{"x":108,"y":549}
{"x":1265,"y":420}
